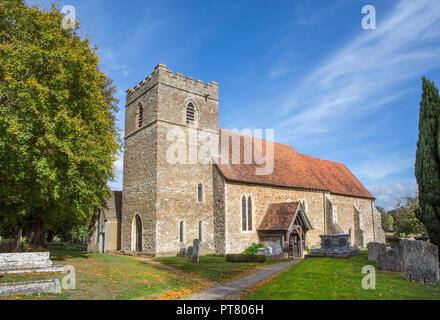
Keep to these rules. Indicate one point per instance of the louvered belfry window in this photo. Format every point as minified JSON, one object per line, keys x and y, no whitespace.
{"x":190,"y":113}
{"x":243,"y":213}
{"x":140,"y":116}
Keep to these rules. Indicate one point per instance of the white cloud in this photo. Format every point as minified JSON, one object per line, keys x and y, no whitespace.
{"x":118,"y":164}
{"x":118,"y":167}
{"x":278,"y":71}
{"x":110,"y":60}
{"x":358,"y":79}
{"x":387,"y":194}
{"x":382,"y":166}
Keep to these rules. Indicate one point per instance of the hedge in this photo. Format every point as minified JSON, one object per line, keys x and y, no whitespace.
{"x":245,"y":257}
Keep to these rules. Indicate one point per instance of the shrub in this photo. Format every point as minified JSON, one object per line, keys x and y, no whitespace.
{"x":25,"y":243}
{"x":240,"y":257}
{"x":253,"y":248}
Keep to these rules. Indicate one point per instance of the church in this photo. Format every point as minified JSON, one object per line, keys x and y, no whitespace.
{"x":184,"y":178}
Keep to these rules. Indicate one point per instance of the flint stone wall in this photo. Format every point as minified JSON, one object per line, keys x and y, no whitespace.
{"x":420,"y":260}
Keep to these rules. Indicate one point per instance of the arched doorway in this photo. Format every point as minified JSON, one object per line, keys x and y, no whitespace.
{"x":297,"y":241}
{"x":136,"y":234}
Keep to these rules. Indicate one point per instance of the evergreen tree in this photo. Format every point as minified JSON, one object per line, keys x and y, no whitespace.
{"x":427,"y":169}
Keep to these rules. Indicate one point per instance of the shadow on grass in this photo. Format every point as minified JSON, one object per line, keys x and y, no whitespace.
{"x":64,"y":252}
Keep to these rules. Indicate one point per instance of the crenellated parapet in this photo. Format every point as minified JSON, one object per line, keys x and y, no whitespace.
{"x":165,"y":76}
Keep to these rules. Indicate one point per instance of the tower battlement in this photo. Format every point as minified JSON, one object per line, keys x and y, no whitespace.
{"x":165,"y":76}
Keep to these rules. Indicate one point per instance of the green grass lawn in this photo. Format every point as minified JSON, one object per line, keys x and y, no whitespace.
{"x":214,"y":268}
{"x":103,"y":276}
{"x":331,"y":278}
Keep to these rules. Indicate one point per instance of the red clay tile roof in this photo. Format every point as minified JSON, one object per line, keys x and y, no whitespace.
{"x":278,"y":216}
{"x":292,"y":169}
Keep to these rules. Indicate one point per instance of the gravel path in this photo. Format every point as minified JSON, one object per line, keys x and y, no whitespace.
{"x":233,"y":290}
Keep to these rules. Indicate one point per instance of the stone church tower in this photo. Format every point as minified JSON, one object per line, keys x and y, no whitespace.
{"x":165,"y":206}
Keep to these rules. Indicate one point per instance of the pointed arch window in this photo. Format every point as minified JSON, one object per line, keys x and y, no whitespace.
{"x":200,"y":230}
{"x":140,"y":115}
{"x":243,"y":213}
{"x":249,"y":213}
{"x":190,"y":113}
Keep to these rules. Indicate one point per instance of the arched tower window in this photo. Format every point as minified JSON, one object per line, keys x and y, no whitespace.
{"x":243,"y":213}
{"x":249,"y":213}
{"x":181,"y":231}
{"x":200,"y":230}
{"x":140,"y":115}
{"x":190,"y":113}
{"x":200,"y":192}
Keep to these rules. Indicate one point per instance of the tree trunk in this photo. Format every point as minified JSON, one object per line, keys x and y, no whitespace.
{"x":18,"y":237}
{"x":39,"y":234}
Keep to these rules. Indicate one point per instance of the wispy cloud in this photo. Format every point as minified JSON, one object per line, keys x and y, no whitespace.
{"x":388,"y":194}
{"x":278,"y":71}
{"x":351,"y":85}
{"x":380,"y":166}
{"x":358,"y":78}
{"x":110,"y":60}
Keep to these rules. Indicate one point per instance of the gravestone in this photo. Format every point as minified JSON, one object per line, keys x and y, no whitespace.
{"x":182,"y":253}
{"x":196,"y":250}
{"x":375,"y":249}
{"x":391,"y":260}
{"x":420,"y":261}
{"x":272,"y":250}
{"x":30,"y":287}
{"x":189,"y":252}
{"x":27,"y":262}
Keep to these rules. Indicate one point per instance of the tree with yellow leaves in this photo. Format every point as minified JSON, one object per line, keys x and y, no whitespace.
{"x":58,"y":134}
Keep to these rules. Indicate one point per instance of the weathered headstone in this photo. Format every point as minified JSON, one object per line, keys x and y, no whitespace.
{"x":420,"y":261}
{"x":27,"y":262}
{"x":196,"y":250}
{"x":272,"y":250}
{"x":182,"y":253}
{"x":189,"y":252}
{"x":375,"y":249}
{"x":30,"y":287}
{"x":391,"y":260}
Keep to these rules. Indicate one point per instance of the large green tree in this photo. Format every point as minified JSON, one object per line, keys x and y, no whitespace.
{"x":58,"y":134}
{"x":404,"y":217}
{"x":427,"y":168}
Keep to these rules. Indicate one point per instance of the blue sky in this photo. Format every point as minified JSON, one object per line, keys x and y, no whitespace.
{"x":304,"y":68}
